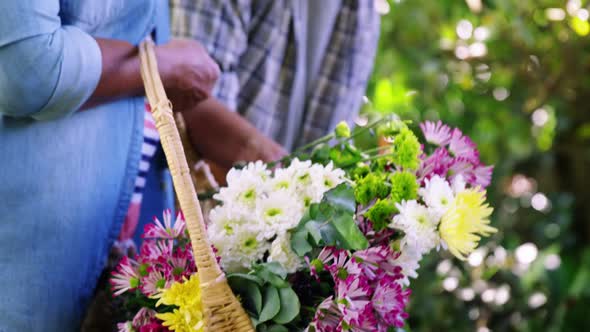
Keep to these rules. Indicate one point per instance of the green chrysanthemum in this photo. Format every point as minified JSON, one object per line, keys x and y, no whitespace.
{"x":380,"y":213}
{"x":360,"y":171}
{"x":406,"y":150}
{"x":404,"y":186}
{"x":370,"y":187}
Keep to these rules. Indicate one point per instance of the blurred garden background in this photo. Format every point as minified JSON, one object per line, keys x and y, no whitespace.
{"x":515,"y":75}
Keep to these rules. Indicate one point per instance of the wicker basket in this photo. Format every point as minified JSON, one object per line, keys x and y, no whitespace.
{"x":222,"y":310}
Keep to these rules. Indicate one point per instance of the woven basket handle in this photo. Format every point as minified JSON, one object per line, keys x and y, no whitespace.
{"x":222,"y":310}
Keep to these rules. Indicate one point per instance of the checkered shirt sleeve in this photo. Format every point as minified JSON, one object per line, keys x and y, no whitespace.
{"x":253,"y":41}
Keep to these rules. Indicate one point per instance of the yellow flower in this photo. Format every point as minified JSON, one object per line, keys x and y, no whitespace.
{"x":187,"y":297}
{"x":183,"y":320}
{"x":182,"y":294}
{"x":464,"y":222}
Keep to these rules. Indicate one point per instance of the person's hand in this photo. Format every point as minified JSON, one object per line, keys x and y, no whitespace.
{"x":225,"y":137}
{"x":187,"y":71}
{"x":260,"y":147}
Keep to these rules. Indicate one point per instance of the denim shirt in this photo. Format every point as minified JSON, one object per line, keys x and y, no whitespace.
{"x":66,"y":177}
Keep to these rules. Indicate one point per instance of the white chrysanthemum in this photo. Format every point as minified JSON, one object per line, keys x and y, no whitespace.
{"x":278,"y":212}
{"x":256,"y":170}
{"x":437,"y":194}
{"x":223,"y":221}
{"x":245,"y":185}
{"x":409,"y":261}
{"x":282,"y":180}
{"x":301,"y":173}
{"x":245,"y":250}
{"x":419,"y":225}
{"x":257,"y":207}
{"x":243,"y":194}
{"x":281,"y":252}
{"x":325,"y":178}
{"x":332,"y":176}
{"x":313,"y":184}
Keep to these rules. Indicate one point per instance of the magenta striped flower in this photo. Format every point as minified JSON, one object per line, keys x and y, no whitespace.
{"x":152,"y":250}
{"x":143,"y":317}
{"x":154,"y":282}
{"x":353,"y":297}
{"x":389,"y":301}
{"x":328,"y":317}
{"x":462,"y":146}
{"x":436,"y":133}
{"x":482,"y":176}
{"x":125,"y":277}
{"x":438,"y":163}
{"x":165,"y":229}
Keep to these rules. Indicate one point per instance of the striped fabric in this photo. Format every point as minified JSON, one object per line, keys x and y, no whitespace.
{"x":255,"y":44}
{"x":150,"y":144}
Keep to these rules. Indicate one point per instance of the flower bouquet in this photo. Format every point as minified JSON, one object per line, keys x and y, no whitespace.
{"x":327,"y":239}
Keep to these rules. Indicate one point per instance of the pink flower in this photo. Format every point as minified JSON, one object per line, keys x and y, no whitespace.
{"x":328,"y":317}
{"x":321,"y":263}
{"x":326,"y":256}
{"x":154,"y":326}
{"x":463,"y":167}
{"x":125,"y":327}
{"x":353,"y":300}
{"x":154,"y":282}
{"x":474,"y":174}
{"x":437,"y":163}
{"x":369,"y":260}
{"x":376,"y":261}
{"x":436,"y":133}
{"x":179,"y":265}
{"x":125,"y":277}
{"x":153,"y":250}
{"x":463,"y":147}
{"x":167,"y":230}
{"x":369,"y":293}
{"x":482,"y":176}
{"x":390,"y":300}
{"x":336,"y":262}
{"x":143,"y":317}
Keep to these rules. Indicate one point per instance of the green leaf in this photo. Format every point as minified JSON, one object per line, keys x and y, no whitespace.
{"x":250,"y":277}
{"x":272,"y":304}
{"x":249,"y":292}
{"x":350,"y":235}
{"x":299,"y":242}
{"x":330,"y":222}
{"x":272,"y":273}
{"x":277,"y":328}
{"x":341,"y":197}
{"x":274,"y":267}
{"x":290,"y":306}
{"x":314,"y":229}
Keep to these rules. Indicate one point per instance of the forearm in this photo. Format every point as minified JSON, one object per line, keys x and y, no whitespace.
{"x":120,"y":76}
{"x":219,"y":134}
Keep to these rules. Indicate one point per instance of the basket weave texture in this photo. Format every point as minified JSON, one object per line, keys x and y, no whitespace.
{"x":222,"y":310}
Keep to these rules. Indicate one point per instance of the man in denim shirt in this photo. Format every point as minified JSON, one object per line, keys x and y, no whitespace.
{"x":66,"y":176}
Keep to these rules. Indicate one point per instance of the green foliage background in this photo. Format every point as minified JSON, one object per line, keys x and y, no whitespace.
{"x":518,"y":83}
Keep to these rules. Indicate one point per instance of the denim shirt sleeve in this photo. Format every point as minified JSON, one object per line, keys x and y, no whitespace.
{"x":48,"y":69}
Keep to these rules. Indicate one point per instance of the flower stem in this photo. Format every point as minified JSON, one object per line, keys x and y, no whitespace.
{"x":313,"y":143}
{"x":377,"y":149}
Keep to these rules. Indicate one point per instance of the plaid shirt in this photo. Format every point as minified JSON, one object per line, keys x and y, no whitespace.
{"x":255,"y":43}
